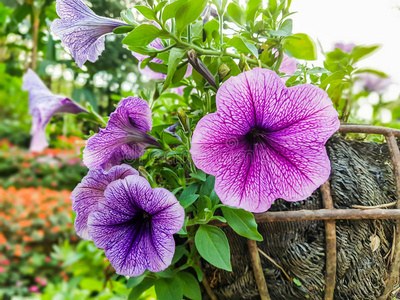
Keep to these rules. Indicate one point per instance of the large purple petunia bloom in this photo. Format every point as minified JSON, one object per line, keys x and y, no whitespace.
{"x":90,"y":191}
{"x":135,"y":225}
{"x":125,"y":136}
{"x":265,"y":141}
{"x":81,"y":30}
{"x":43,"y":104}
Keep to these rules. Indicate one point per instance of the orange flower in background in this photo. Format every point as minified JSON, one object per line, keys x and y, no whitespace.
{"x":3,"y":240}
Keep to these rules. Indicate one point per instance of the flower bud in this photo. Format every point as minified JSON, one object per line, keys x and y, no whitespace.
{"x":183,"y":119}
{"x":200,"y":67}
{"x":223,"y":71}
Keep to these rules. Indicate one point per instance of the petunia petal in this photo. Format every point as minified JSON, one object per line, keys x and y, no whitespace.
{"x":81,"y":30}
{"x":90,"y":191}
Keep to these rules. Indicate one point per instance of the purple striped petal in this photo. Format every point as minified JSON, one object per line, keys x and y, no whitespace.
{"x":81,"y":30}
{"x":90,"y":191}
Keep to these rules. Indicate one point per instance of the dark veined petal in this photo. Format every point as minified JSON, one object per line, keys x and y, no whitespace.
{"x":135,"y":225}
{"x":81,"y":30}
{"x":266,"y":141}
{"x":124,"y":137}
{"x":90,"y":191}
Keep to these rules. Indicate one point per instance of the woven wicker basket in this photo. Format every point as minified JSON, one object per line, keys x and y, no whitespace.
{"x":341,"y":243}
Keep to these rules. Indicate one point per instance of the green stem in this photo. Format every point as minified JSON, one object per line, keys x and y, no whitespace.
{"x":279,"y":60}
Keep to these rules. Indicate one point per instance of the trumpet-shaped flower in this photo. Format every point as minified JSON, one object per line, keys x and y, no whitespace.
{"x":90,"y":191}
{"x":135,"y":225}
{"x":265,"y":141}
{"x":125,"y":136}
{"x":43,"y":104}
{"x":81,"y":30}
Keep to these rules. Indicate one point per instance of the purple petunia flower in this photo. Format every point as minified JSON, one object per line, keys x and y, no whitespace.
{"x":345,"y":47}
{"x":125,"y":136}
{"x":81,"y":30}
{"x":135,"y":225}
{"x":43,"y":104}
{"x":265,"y":141}
{"x":90,"y":191}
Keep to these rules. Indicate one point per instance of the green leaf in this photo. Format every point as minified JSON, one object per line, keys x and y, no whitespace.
{"x":189,"y":200}
{"x":169,"y":289}
{"x":188,"y":13}
{"x":242,"y":46}
{"x":338,"y":75}
{"x":160,"y":6}
{"x":211,"y":27}
{"x":242,"y":222}
{"x":135,"y":281}
{"x":123,"y":29}
{"x":191,"y":287}
{"x":170,"y":10}
{"x":200,"y":175}
{"x":146,"y":12}
{"x":317,"y":70}
{"x":208,"y":186}
{"x":361,"y":52}
{"x":236,"y":13}
{"x":138,"y":290}
{"x":251,"y":9}
{"x":142,"y":35}
{"x":301,"y":46}
{"x":213,"y":246}
{"x":287,"y":26}
{"x":372,"y":71}
{"x":175,"y":57}
{"x":272,"y":6}
{"x":91,"y":284}
{"x":179,"y":252}
{"x":253,"y":49}
{"x":190,"y":190}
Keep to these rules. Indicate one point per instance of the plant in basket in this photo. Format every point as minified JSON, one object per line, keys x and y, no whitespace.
{"x":233,"y":177}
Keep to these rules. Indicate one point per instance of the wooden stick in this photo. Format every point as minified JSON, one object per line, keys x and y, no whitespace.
{"x":395,"y":264}
{"x":322,"y":214}
{"x":258,"y":271}
{"x":330,"y":233}
{"x":375,"y":206}
{"x":369,"y":129}
{"x":275,"y":263}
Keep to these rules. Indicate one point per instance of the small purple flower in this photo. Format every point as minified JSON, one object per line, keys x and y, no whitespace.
{"x":373,"y":83}
{"x":345,"y":47}
{"x":81,"y":30}
{"x":90,"y":191}
{"x":265,"y":141}
{"x":135,"y":225}
{"x":43,"y":104}
{"x":125,"y":136}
